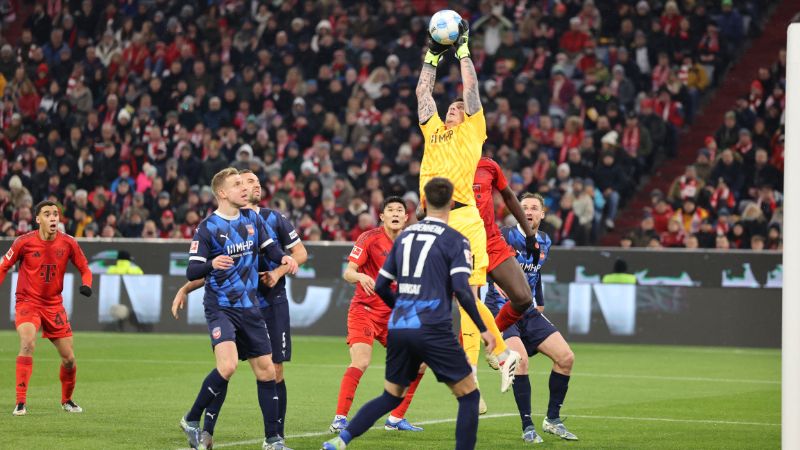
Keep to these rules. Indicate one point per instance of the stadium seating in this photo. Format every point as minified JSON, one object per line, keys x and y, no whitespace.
{"x":124,"y":112}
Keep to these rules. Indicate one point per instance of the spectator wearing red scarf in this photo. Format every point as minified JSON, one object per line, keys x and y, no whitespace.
{"x":669,"y":109}
{"x":686,"y":186}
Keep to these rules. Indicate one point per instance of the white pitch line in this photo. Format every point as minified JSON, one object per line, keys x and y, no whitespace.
{"x":377,"y":427}
{"x":498,"y":416}
{"x":672,"y":378}
{"x":381,"y":367}
{"x":667,"y":419}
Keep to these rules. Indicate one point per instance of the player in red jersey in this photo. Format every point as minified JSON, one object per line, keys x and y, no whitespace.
{"x":503,"y":267}
{"x":43,"y":255}
{"x":368,"y":317}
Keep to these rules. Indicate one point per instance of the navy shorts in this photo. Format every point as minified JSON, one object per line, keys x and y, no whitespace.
{"x":533,"y":329}
{"x":244,"y":326}
{"x":439,"y":349}
{"x":276,"y":317}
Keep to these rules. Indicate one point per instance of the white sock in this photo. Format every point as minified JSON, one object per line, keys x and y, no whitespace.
{"x":393,"y":420}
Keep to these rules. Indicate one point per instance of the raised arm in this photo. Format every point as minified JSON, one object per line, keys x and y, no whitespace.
{"x":427,"y":78}
{"x":472,"y":97}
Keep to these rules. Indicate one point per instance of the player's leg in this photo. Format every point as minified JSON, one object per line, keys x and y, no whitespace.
{"x":502,"y":357}
{"x":360,"y":336}
{"x":56,"y":327}
{"x":522,"y":386}
{"x":215,"y":386}
{"x":368,"y":414}
{"x":447,"y":361}
{"x":277,"y":318}
{"x":27,"y":343}
{"x":557,"y":349}
{"x":253,"y":344}
{"x":264,"y":371}
{"x":396,"y":420}
{"x":471,"y":343}
{"x":469,"y":223}
{"x":67,"y":372}
{"x":360,"y":357}
{"x":509,"y":276}
{"x":468,"y":396}
{"x":402,"y":365}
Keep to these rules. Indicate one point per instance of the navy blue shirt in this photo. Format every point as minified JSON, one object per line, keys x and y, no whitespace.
{"x":423,"y":259}
{"x":242,"y":238}
{"x":281,"y":231}
{"x":516,"y":239}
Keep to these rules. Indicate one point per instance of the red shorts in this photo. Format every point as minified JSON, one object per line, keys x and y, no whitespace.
{"x":364,"y":325}
{"x":52,"y":320}
{"x":498,"y":250}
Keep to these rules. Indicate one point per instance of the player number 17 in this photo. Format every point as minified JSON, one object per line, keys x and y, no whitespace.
{"x":423,"y":255}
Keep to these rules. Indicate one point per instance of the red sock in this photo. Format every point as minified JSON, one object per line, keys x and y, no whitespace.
{"x":400,"y":411}
{"x":507,"y":316}
{"x":347,"y":391}
{"x":67,"y":377}
{"x":24,"y":370}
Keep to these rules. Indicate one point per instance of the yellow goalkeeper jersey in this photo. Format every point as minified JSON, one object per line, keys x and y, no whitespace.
{"x":453,"y":154}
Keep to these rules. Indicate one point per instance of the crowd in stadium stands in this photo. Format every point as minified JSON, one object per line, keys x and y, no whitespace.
{"x":731,"y":196}
{"x":124,"y":110}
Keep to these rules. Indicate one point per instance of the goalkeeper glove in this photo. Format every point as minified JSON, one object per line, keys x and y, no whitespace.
{"x":462,"y":43}
{"x":532,"y":247}
{"x":85,"y":291}
{"x":434,"y":52}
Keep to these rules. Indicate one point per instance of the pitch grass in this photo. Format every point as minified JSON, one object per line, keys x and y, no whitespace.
{"x":135,"y":387}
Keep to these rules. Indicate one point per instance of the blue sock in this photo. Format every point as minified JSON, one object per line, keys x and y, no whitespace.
{"x":268,"y":401}
{"x":467,"y":421}
{"x":212,"y":387}
{"x":369,"y":414}
{"x":213,"y":408}
{"x":558,"y":391}
{"x":281,"y":389}
{"x":522,"y":395}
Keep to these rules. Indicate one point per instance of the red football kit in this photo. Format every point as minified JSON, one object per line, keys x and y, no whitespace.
{"x":41,"y":280}
{"x":489,"y":177}
{"x":368,"y":317}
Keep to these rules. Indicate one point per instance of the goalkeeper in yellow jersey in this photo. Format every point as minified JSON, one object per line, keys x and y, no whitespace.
{"x":452,"y":150}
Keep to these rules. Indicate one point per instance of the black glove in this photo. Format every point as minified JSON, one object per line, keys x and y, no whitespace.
{"x":532,"y":247}
{"x":85,"y":291}
{"x":437,"y":48}
{"x":462,"y":43}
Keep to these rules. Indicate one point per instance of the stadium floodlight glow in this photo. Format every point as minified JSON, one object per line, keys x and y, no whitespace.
{"x":790,"y":354}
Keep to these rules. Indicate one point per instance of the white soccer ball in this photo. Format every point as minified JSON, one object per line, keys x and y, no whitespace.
{"x":444,"y":26}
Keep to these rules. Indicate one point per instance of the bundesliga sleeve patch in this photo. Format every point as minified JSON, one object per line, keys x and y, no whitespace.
{"x":293,"y":235}
{"x":10,"y":254}
{"x":193,"y":248}
{"x":356,"y":252}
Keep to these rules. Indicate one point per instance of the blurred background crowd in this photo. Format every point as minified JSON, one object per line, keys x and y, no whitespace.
{"x":123,"y":110}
